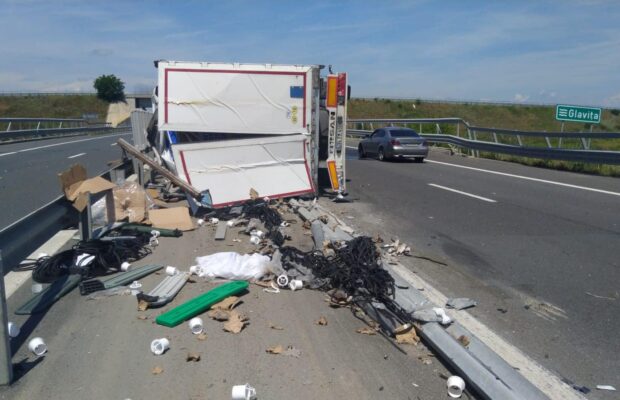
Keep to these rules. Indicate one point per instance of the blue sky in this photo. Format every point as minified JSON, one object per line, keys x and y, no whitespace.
{"x":522,"y":51}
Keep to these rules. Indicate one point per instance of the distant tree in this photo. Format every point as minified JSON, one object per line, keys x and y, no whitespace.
{"x":110,"y":88}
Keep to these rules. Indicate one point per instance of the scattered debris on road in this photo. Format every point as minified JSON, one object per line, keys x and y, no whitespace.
{"x":321,"y":321}
{"x":461,"y":303}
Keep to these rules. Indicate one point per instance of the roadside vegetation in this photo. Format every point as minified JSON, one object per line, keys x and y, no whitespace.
{"x":61,"y":106}
{"x":532,"y":118}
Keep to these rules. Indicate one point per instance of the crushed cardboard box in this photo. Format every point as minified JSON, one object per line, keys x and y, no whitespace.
{"x":76,"y":185}
{"x":130,"y":202}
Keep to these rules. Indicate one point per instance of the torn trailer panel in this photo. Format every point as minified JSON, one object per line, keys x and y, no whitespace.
{"x":274,"y":166}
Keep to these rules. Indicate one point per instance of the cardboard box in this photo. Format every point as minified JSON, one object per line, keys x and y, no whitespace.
{"x":171,"y":218}
{"x":76,"y":185}
{"x":130,"y":202}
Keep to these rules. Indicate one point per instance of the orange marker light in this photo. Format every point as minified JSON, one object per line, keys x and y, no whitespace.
{"x":333,"y":174}
{"x":332,"y":91}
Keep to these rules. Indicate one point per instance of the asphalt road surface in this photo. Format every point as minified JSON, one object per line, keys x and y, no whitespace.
{"x":29,"y":170}
{"x":538,"y":248}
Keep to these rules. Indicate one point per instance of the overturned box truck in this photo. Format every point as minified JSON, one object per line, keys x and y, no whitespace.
{"x":228,"y":128}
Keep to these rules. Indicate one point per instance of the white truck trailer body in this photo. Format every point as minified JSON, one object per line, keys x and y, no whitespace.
{"x":228,"y":128}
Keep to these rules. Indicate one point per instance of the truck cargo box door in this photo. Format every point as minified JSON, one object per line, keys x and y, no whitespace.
{"x":275,"y":166}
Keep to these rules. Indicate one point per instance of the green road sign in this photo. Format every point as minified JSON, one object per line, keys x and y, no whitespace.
{"x":578,"y":114}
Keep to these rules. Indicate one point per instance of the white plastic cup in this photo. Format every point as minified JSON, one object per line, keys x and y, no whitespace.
{"x":125,"y":266}
{"x":13,"y":329}
{"x":456,"y":385}
{"x":230,"y":223}
{"x":214,"y":220}
{"x":159,"y":346}
{"x":255,"y":240}
{"x":282,"y":280}
{"x":295,"y":284}
{"x":243,"y":392}
{"x":135,"y":288}
{"x":155,"y":233}
{"x":195,"y":324}
{"x":200,"y":222}
{"x":37,"y":346}
{"x":258,"y":234}
{"x":194,"y":269}
{"x":37,"y":288}
{"x":171,"y":271}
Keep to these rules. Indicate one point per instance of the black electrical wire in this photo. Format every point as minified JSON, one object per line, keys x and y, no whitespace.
{"x":355,"y":269}
{"x":107,"y":256}
{"x":270,"y":217}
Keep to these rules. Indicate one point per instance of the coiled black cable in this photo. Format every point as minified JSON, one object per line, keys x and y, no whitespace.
{"x":107,"y":256}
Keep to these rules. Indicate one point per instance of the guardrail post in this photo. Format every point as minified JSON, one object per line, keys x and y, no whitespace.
{"x":548,"y":142}
{"x":495,"y":137}
{"x":560,"y":141}
{"x":6,"y":366}
{"x":476,"y":153}
{"x":60,"y":126}
{"x":38,"y":125}
{"x":519,"y":140}
{"x":584,"y":143}
{"x":8,"y":128}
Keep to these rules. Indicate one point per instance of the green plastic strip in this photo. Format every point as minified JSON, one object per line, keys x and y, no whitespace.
{"x":201,"y":303}
{"x":42,"y":301}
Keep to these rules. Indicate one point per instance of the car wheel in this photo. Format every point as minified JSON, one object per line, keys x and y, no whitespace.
{"x":360,"y":152}
{"x":381,"y":154}
{"x":419,"y":159}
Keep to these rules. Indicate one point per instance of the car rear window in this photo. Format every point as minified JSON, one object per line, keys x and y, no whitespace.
{"x":403,"y":133}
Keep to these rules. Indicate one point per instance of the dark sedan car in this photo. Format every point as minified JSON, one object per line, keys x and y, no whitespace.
{"x":392,"y":142}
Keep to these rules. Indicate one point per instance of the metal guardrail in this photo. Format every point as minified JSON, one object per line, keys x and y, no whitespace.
{"x":32,"y":133}
{"x":13,"y":124}
{"x":21,"y":238}
{"x":585,"y":155}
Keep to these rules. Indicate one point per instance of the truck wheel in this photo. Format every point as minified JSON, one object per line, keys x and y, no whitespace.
{"x":360,"y":152}
{"x":381,"y":154}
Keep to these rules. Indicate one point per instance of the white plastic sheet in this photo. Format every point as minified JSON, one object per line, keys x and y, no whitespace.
{"x":234,"y":266}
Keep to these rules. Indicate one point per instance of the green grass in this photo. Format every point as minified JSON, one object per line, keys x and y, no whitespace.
{"x":69,"y":106}
{"x":531,"y":118}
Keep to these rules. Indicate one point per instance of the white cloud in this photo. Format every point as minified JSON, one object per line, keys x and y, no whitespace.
{"x":521,"y":98}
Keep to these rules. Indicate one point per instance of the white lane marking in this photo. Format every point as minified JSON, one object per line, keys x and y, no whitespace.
{"x":7,"y":154}
{"x":463,"y":193}
{"x":114,"y":144}
{"x":60,"y":144}
{"x":526,"y":178}
{"x":77,"y":155}
{"x":352,"y":148}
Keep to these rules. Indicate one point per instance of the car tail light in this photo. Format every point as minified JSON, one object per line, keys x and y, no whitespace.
{"x":395,"y":142}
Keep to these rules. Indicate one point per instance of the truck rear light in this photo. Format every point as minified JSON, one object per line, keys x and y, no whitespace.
{"x":332,"y":91}
{"x":333,"y":175}
{"x":395,"y":142}
{"x":342,"y":84}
